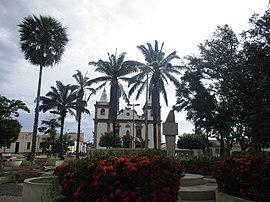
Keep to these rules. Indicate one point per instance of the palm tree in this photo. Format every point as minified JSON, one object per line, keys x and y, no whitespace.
{"x":159,"y":70}
{"x":114,"y":70}
{"x":42,"y":40}
{"x":60,"y":100}
{"x":49,"y":127}
{"x":83,"y":83}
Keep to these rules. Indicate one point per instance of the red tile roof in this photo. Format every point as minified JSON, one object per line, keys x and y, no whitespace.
{"x":22,"y":134}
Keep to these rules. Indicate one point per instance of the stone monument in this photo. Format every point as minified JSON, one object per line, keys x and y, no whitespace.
{"x":170,"y":130}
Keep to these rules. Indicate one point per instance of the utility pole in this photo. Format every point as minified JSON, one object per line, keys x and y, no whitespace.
{"x":133,"y":123}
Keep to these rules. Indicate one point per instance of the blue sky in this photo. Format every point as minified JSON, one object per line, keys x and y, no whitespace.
{"x":96,"y":27}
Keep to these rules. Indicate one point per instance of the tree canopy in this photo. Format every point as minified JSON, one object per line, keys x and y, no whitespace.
{"x":153,"y":77}
{"x":225,"y":88}
{"x":191,"y":141}
{"x":10,"y":127}
{"x":113,"y":72}
{"x":107,"y":140}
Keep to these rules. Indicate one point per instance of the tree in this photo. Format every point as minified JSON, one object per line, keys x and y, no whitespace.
{"x":67,"y":142}
{"x":60,"y":100}
{"x":114,"y":70}
{"x":218,"y":59}
{"x":83,"y":83}
{"x":237,"y":76}
{"x":159,"y":70}
{"x":195,"y":98}
{"x":256,"y":50}
{"x":107,"y":140}
{"x":49,"y":128}
{"x":191,"y":141}
{"x":42,"y":40}
{"x":10,"y":127}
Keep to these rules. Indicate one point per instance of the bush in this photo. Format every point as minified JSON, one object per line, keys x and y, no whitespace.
{"x":144,"y":176}
{"x":107,"y":140}
{"x":200,"y":165}
{"x":191,"y":141}
{"x":244,"y":175}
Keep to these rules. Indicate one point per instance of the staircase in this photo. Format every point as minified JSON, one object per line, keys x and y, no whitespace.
{"x":197,"y":188}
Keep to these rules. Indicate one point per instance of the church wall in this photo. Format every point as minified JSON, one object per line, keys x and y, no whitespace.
{"x":101,"y":128}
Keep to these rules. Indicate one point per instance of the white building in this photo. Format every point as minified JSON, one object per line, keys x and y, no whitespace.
{"x":82,"y":142}
{"x":24,"y":143}
{"x":129,"y":125}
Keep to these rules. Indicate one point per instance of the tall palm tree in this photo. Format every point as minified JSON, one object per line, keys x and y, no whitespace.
{"x":60,"y":100}
{"x":159,"y":70}
{"x":83,"y":83}
{"x":114,"y":70}
{"x":42,"y":40}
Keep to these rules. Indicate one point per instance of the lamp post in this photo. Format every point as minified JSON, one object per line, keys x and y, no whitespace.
{"x":133,"y":121}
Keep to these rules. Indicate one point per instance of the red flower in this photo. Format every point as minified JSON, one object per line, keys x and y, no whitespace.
{"x":117,"y":192}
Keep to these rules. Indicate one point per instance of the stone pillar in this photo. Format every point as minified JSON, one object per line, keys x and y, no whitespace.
{"x":170,"y":130}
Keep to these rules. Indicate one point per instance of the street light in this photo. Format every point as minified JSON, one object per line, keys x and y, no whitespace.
{"x":133,"y":121}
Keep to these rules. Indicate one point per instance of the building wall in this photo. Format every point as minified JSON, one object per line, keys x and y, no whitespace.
{"x":24,"y":144}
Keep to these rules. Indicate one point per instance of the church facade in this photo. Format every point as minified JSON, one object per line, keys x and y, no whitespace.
{"x":130,"y":126}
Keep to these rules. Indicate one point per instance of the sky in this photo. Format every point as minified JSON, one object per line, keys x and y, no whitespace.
{"x":98,"y":27}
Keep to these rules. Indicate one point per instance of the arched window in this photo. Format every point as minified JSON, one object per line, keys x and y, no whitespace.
{"x":102,"y":112}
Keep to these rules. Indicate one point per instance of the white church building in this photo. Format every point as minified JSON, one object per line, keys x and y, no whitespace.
{"x":129,"y":125}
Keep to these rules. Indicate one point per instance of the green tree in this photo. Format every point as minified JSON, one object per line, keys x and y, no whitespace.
{"x":49,"y":128}
{"x":159,"y":69}
{"x":83,"y":84}
{"x":195,"y":98}
{"x":67,"y":142}
{"x":107,"y":140}
{"x":256,"y":50}
{"x":42,"y":40}
{"x":215,"y":65}
{"x":191,"y":141}
{"x":10,"y":127}
{"x":114,"y":70}
{"x":60,"y":100}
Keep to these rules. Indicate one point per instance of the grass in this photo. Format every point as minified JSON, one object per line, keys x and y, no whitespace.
{"x":4,"y":173}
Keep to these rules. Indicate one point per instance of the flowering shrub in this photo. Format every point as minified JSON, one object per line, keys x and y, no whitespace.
{"x":136,"y":177}
{"x":244,"y":175}
{"x":200,"y":165}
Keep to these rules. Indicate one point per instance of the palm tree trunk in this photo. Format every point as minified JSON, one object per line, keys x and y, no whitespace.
{"x":78,"y":133}
{"x":207,"y":142}
{"x":155,"y":134}
{"x":221,"y":144}
{"x":114,"y":134}
{"x":61,"y":138}
{"x":35,"y":127}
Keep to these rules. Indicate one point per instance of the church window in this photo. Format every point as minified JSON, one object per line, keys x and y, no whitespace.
{"x":102,"y":112}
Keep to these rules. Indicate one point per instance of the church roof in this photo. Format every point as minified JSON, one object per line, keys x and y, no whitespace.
{"x":104,"y":97}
